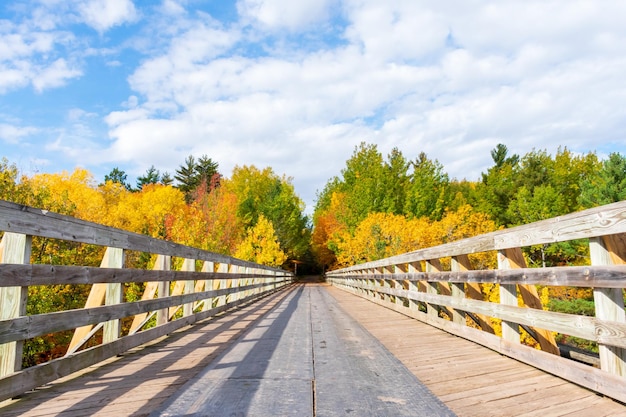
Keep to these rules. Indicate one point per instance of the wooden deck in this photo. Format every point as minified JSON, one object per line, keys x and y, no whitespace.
{"x":469,"y":379}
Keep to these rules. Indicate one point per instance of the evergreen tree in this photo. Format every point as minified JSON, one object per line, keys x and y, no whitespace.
{"x":205,"y":169}
{"x":428,"y":189}
{"x":118,"y":176}
{"x":195,"y":173}
{"x":186,"y":175}
{"x":606,"y":185}
{"x":152,"y":176}
{"x":166,"y":179}
{"x":495,"y":192}
{"x":395,"y":182}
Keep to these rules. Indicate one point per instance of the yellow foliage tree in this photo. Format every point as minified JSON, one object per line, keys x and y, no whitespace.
{"x":381,"y":235}
{"x":148,"y":211}
{"x":261,"y":245}
{"x":74,"y":194}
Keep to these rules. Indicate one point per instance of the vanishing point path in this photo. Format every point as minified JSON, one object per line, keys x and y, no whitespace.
{"x":311,"y":350}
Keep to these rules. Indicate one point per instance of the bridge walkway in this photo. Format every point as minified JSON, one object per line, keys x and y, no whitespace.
{"x":309,"y":350}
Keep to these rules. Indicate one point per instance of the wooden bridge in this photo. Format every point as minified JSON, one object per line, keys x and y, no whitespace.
{"x":408,"y":335}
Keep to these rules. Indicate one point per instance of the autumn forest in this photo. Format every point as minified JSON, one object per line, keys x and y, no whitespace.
{"x":377,"y":206}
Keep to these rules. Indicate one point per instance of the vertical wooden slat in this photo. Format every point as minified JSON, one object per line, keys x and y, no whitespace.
{"x":219,"y":284}
{"x":149,"y":293}
{"x":386,"y":283}
{"x":208,"y":267}
{"x":531,"y":299}
{"x":189,"y":265}
{"x":432,"y":265}
{"x":609,"y":304}
{"x":113,"y":258}
{"x":96,"y":298}
{"x":508,"y":296}
{"x":413,"y":268}
{"x":164,"y":263}
{"x":473,"y":291}
{"x":457,"y":290}
{"x":403,"y":284}
{"x":14,"y":249}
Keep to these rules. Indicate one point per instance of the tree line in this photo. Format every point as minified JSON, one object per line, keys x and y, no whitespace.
{"x":515,"y":190}
{"x":254,"y":215}
{"x":379,"y":207}
{"x":376,"y":207}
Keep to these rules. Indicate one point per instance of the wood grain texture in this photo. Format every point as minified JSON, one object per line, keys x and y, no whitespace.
{"x":583,"y":375}
{"x":600,"y":221}
{"x":31,"y":221}
{"x":14,"y":249}
{"x":609,"y":305}
{"x":30,"y":378}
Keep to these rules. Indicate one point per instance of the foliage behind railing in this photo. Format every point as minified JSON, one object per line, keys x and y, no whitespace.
{"x":416,"y":285}
{"x":205,"y":284}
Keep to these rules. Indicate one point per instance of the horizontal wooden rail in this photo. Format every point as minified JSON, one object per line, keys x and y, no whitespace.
{"x":26,"y":220}
{"x":37,"y":274}
{"x":171,"y":300}
{"x":415,"y":284}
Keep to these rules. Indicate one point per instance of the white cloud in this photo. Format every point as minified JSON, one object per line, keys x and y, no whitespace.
{"x":102,"y":15}
{"x":297,"y":84}
{"x":12,"y":134}
{"x":54,"y":75}
{"x":285,"y":14}
{"x":452,"y":81}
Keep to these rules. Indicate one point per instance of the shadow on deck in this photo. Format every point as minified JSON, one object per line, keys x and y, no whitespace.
{"x":206,"y":369}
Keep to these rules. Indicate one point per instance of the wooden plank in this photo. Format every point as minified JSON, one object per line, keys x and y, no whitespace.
{"x":56,"y":274}
{"x":14,"y":249}
{"x":609,"y":305}
{"x":583,"y":375}
{"x":432,"y":265}
{"x":611,"y":276}
{"x":600,"y":221}
{"x":160,"y":263}
{"x":457,"y":290}
{"x":33,"y":377}
{"x":590,"y":328}
{"x":586,"y":376}
{"x":473,"y":291}
{"x":113,"y":258}
{"x":531,"y":299}
{"x":96,"y":297}
{"x":27,"y":327}
{"x":189,"y":265}
{"x":31,"y":221}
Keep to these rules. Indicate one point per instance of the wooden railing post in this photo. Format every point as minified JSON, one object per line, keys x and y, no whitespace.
{"x":609,"y":304}
{"x":457,"y":290}
{"x":14,"y":249}
{"x":473,"y":291}
{"x":163,"y":263}
{"x":413,"y":268}
{"x":508,"y":296}
{"x":152,"y":288}
{"x":221,"y":284}
{"x":404,"y":285}
{"x":208,"y":267}
{"x":432,"y":265}
{"x":189,"y":265}
{"x":113,"y":258}
{"x":386,"y":283}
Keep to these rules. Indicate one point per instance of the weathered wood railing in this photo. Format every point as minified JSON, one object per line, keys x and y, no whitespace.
{"x":416,"y":284}
{"x":171,"y":299}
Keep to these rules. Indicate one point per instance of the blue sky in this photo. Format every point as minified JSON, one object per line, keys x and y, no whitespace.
{"x":296,"y":85}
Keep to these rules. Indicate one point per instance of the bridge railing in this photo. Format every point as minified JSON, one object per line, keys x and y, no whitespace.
{"x":451,"y":298}
{"x":204,"y":285}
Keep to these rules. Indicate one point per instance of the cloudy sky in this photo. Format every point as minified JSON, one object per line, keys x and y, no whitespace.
{"x":296,"y":85}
